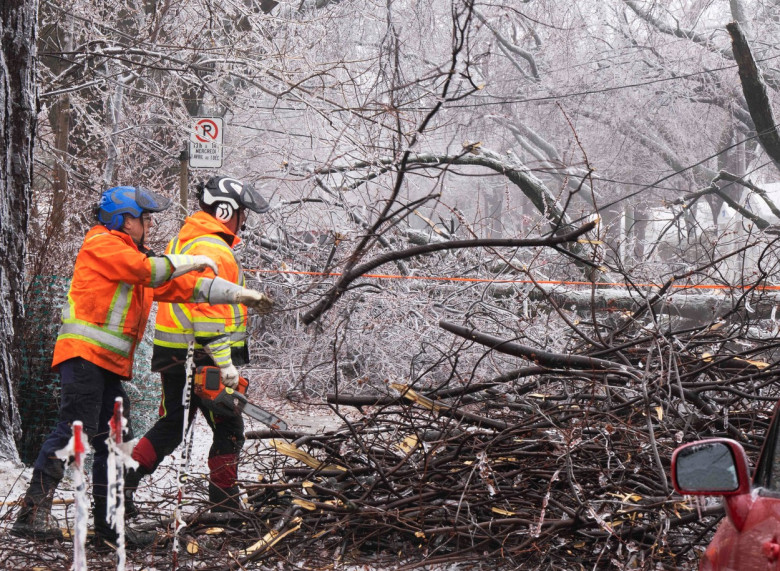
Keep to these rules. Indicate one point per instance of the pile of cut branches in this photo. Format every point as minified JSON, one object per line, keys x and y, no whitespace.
{"x":560,"y":464}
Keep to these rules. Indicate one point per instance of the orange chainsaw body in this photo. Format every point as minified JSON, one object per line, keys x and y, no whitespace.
{"x":223,"y":400}
{"x":208,"y":384}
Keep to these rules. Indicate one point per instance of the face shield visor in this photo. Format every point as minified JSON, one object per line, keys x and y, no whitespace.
{"x":251,"y":199}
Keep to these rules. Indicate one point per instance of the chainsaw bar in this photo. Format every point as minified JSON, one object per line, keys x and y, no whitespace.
{"x":264,"y":416}
{"x":230,"y":402}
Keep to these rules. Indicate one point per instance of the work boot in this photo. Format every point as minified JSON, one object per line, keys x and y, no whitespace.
{"x":107,"y":541}
{"x":132,"y":479}
{"x":106,"y":538}
{"x":34,"y":519}
{"x":224,"y":499}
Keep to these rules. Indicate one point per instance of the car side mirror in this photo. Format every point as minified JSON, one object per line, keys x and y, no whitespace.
{"x":717,"y":467}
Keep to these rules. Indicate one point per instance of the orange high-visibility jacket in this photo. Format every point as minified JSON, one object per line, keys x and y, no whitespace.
{"x":110,"y":298}
{"x":223,"y":326}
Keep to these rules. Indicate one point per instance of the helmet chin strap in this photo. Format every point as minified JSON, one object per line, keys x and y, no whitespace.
{"x":139,"y":243}
{"x":143,"y":231}
{"x":234,"y":223}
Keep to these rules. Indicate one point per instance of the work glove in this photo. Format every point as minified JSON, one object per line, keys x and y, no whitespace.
{"x":229,"y":376}
{"x":257,"y":300}
{"x":223,"y":291}
{"x":219,"y":351}
{"x":182,"y":264}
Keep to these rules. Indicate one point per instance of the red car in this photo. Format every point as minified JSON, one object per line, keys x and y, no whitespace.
{"x":748,"y":539}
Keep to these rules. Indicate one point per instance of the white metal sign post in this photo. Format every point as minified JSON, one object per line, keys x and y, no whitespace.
{"x":206,"y":143}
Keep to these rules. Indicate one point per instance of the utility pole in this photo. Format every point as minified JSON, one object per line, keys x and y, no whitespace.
{"x":183,"y":180}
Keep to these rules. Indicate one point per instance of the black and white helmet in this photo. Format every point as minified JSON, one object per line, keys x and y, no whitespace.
{"x":225,"y":195}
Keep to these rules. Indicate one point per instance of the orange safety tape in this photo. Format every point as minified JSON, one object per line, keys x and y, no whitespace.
{"x":505,"y":281}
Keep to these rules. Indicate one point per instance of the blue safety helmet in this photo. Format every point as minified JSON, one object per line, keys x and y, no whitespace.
{"x":120,"y":200}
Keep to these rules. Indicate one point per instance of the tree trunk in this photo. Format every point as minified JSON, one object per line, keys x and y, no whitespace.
{"x":17,"y":124}
{"x":754,"y":88}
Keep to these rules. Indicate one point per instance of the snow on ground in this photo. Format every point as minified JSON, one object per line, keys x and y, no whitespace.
{"x":312,"y":418}
{"x":14,"y":478}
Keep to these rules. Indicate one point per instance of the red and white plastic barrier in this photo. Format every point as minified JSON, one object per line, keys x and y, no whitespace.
{"x":119,"y":459}
{"x":75,"y":451}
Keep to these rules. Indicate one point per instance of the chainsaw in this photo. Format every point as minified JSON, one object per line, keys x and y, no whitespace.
{"x":230,"y":402}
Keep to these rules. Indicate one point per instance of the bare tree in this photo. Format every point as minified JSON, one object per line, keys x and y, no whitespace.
{"x":394,"y":142}
{"x":17,"y":123}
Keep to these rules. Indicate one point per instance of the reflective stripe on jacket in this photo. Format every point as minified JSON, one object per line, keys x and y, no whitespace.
{"x":222,"y":327}
{"x":110,"y":298}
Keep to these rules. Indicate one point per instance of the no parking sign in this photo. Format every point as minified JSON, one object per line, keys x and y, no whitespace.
{"x":206,"y":143}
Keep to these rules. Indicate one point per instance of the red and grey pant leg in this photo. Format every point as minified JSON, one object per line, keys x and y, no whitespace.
{"x":167,"y":433}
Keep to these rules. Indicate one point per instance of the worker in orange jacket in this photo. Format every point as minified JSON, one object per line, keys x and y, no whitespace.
{"x":115,"y":280}
{"x":219,"y":333}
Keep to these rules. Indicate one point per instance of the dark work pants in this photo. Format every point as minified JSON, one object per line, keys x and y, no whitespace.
{"x":166,"y":434}
{"x":88,"y":393}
